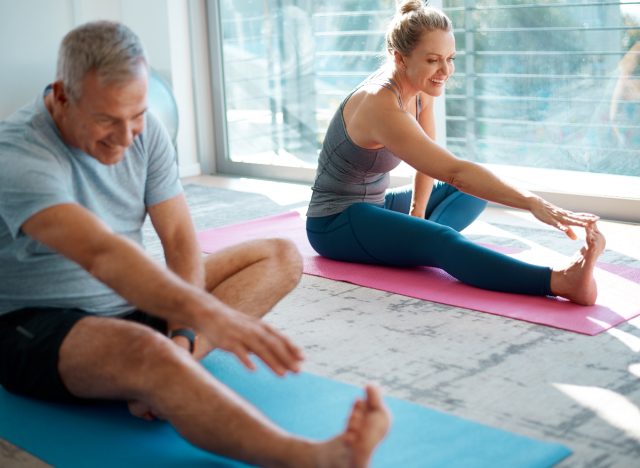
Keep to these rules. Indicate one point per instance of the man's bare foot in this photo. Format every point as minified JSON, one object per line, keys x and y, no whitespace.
{"x":576,"y":282}
{"x":368,"y":424}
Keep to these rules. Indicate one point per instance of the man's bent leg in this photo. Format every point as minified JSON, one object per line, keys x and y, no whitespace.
{"x":115,"y":359}
{"x":254,"y":276}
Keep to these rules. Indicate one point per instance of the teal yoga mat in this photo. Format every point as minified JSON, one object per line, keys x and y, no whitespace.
{"x":105,"y":435}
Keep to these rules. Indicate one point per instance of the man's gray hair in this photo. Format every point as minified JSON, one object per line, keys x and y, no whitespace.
{"x":110,"y":49}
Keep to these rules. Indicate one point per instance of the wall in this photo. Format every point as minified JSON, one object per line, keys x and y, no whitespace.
{"x":31,"y":31}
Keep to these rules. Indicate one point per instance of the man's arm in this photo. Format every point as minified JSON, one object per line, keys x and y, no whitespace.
{"x":121,"y":264}
{"x":172,"y":222}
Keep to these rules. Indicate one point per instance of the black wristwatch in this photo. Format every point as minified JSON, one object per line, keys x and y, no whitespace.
{"x":188,"y":334}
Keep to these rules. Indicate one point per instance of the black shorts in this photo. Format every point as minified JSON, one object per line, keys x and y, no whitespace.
{"x":30,"y":341}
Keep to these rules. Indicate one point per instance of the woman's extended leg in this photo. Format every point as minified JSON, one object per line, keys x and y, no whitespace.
{"x":447,"y":205}
{"x":367,"y":233}
{"x":450,"y":207}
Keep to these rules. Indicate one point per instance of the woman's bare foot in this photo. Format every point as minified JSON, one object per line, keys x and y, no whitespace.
{"x":576,"y":282}
{"x":368,"y":424}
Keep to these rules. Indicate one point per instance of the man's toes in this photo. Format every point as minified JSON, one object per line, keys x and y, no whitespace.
{"x":357,"y":416}
{"x":374,"y":397}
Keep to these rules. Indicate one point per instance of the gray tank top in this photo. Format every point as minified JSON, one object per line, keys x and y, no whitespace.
{"x":348,"y":173}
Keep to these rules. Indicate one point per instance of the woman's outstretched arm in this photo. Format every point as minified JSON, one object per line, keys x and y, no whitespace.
{"x":401,"y":134}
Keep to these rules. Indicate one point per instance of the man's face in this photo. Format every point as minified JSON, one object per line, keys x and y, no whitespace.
{"x":106,"y":117}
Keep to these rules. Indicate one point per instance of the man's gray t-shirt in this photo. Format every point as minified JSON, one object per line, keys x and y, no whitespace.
{"x":37,"y":171}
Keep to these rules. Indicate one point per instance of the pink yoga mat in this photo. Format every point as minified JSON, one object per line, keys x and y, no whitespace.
{"x":618,"y":299}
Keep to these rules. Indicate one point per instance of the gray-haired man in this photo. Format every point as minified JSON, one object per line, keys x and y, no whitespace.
{"x":85,"y":313}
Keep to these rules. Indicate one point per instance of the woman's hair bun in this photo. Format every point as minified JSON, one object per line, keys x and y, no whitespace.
{"x":410,"y":5}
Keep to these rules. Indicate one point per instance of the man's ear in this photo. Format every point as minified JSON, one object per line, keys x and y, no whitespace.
{"x":60,"y":95}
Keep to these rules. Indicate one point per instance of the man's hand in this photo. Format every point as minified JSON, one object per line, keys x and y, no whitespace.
{"x":244,"y":335}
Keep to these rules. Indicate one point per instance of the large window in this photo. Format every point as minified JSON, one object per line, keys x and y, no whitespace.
{"x":287,"y":65}
{"x":551,"y":85}
{"x":547,"y":84}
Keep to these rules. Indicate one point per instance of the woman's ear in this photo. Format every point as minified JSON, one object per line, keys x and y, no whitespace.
{"x":398,"y":60}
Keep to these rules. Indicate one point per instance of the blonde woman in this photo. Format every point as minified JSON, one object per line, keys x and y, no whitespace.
{"x":388,"y":119}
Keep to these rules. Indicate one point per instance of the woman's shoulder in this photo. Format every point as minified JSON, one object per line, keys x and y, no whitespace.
{"x":368,"y":104}
{"x":372,"y":98}
{"x":369,"y":108}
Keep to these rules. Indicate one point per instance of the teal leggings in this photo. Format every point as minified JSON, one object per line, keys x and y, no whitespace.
{"x":387,"y":235}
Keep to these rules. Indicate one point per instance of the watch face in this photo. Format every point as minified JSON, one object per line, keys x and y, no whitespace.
{"x":188,"y":334}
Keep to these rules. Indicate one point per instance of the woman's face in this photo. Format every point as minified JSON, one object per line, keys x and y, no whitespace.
{"x":430,"y":64}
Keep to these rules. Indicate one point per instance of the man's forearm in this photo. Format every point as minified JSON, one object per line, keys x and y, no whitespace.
{"x":185,"y":260}
{"x":126,"y":268}
{"x":174,"y":226}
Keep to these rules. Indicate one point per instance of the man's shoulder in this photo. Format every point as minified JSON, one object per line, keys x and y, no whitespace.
{"x":153,"y":144}
{"x":15,"y":126}
{"x":24,"y":115}
{"x":152,"y":122}
{"x":25,"y":128}
{"x":154,"y":130}
{"x":28,"y":146}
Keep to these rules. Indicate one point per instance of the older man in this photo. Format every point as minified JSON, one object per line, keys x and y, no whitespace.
{"x":86,"y":314}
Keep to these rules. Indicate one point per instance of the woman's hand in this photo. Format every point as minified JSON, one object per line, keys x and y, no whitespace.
{"x":422,"y":188}
{"x":560,"y":218}
{"x":417,"y":213}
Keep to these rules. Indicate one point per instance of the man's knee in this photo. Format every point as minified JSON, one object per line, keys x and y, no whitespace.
{"x":134,"y":357}
{"x":287,"y":251}
{"x":288,"y":257}
{"x":157,"y":368}
{"x":154,"y":353}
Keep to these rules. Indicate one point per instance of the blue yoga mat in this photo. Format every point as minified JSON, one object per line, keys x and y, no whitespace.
{"x":105,"y":435}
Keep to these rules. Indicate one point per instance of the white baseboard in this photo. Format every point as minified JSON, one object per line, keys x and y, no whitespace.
{"x":189,"y":170}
